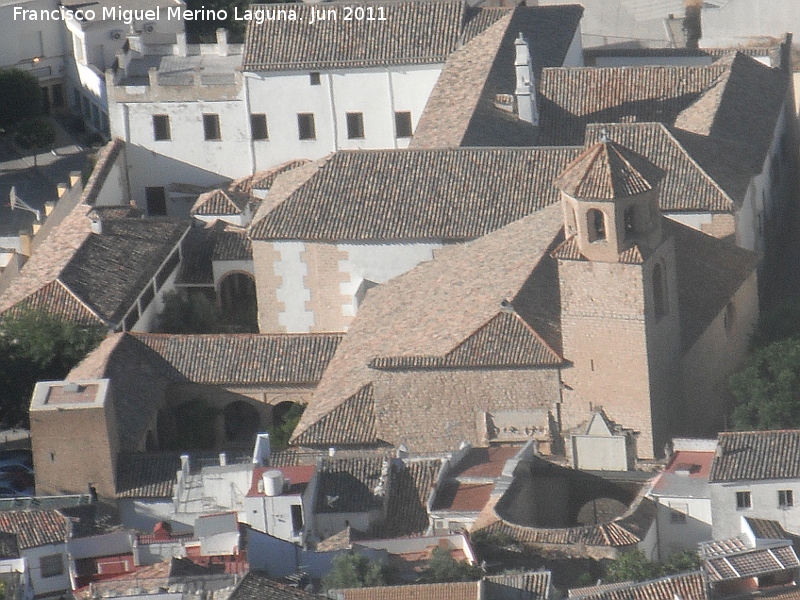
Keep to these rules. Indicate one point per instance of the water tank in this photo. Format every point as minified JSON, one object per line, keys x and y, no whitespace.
{"x":273,"y":483}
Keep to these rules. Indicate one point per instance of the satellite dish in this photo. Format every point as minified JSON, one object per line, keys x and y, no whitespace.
{"x":16,"y":202}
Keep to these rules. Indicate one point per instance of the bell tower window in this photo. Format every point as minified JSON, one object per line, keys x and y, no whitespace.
{"x":597,"y":225}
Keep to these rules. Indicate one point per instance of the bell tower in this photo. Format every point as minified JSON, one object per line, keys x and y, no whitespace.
{"x":610,"y":200}
{"x":619,"y":296}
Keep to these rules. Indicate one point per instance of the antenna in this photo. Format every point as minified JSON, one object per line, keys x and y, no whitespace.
{"x":16,"y":202}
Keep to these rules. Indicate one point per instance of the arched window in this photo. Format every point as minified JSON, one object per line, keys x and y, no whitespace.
{"x":597,"y":225}
{"x":660,"y":291}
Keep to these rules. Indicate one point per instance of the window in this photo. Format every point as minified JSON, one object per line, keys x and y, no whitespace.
{"x":156,"y":199}
{"x":402,"y":124}
{"x":785,"y":498}
{"x":677,"y":518}
{"x":314,"y":78}
{"x":51,"y":565}
{"x":161,"y":130}
{"x":355,"y":126}
{"x":211,"y":127}
{"x":743,"y":500}
{"x":305,"y":126}
{"x":596,"y":221}
{"x":297,"y":518}
{"x":258,"y":127}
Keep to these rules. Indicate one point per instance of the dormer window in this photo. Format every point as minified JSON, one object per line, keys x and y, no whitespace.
{"x":597,"y":225}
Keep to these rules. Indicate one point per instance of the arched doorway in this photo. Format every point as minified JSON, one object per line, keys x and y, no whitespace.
{"x":237,"y":297}
{"x":242,"y":422}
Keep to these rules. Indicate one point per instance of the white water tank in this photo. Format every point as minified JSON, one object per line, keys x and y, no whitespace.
{"x":273,"y":482}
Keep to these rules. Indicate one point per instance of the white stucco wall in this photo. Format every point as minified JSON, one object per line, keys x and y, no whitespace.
{"x":737,"y":20}
{"x":21,"y":40}
{"x":676,"y":533}
{"x":48,"y":585}
{"x":764,"y":505}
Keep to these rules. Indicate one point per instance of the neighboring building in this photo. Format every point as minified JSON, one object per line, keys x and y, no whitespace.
{"x":135,"y":387}
{"x":755,"y":474}
{"x":687,"y":586}
{"x":682,"y":494}
{"x":539,"y":303}
{"x":257,"y":586}
{"x":603,"y":446}
{"x":733,"y":22}
{"x":302,"y":92}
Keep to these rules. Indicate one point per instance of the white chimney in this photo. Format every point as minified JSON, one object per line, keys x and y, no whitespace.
{"x":526,"y":88}
{"x":223,"y":459}
{"x":222,"y":42}
{"x":97,"y":225}
{"x":180,"y":46}
{"x":261,"y":450}
{"x":185,"y":464}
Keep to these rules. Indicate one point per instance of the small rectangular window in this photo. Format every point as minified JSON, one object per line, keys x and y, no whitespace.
{"x":785,"y":498}
{"x":402,"y":124}
{"x":314,"y":78}
{"x":156,"y":199}
{"x":305,"y":125}
{"x":677,"y":517}
{"x":51,"y":565}
{"x":355,"y":126}
{"x":743,"y":500}
{"x":297,"y":518}
{"x":161,"y":130}
{"x":258,"y":127}
{"x":211,"y":127}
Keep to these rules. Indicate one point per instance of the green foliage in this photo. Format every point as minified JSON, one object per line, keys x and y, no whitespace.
{"x":353,"y":570}
{"x":37,"y":346}
{"x":21,"y":97}
{"x":190,"y":311}
{"x":634,"y":566}
{"x":280,"y":432}
{"x":442,"y":567}
{"x":35,"y":134}
{"x":486,"y":542}
{"x":767,"y":390}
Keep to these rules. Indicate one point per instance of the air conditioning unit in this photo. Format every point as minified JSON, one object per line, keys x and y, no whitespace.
{"x":149,"y":27}
{"x":117,"y":34}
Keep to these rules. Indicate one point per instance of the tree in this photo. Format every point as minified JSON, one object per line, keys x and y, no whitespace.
{"x":35,"y":134}
{"x":353,"y":570}
{"x":37,"y":346}
{"x":280,"y":432}
{"x":767,"y":390}
{"x":188,"y":311}
{"x":634,"y":566}
{"x":442,"y":567}
{"x":21,"y":97}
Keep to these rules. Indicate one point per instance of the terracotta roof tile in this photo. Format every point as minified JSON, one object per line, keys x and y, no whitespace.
{"x":356,"y":484}
{"x":766,"y":528}
{"x":757,"y":455}
{"x":534,"y":586}
{"x":412,"y":32}
{"x":35,"y":527}
{"x":232,"y":243}
{"x":432,"y":194}
{"x":755,"y":562}
{"x":688,"y":586}
{"x":257,"y":586}
{"x":606,"y":171}
{"x":263,"y":180}
{"x":410,"y":486}
{"x":463,"y":497}
{"x":220,"y":203}
{"x":352,"y":422}
{"x":431,"y":591}
{"x":57,"y":300}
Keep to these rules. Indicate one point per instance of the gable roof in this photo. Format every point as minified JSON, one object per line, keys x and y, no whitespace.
{"x":751,"y":563}
{"x":35,"y":528}
{"x":220,"y":202}
{"x":756,"y":455}
{"x":369,"y":195}
{"x":462,"y":590}
{"x":402,"y":33}
{"x":357,"y":484}
{"x":263,"y":180}
{"x":410,"y":484}
{"x":257,"y":586}
{"x":687,"y":586}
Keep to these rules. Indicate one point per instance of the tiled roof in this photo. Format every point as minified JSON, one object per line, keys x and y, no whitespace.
{"x":220,"y":202}
{"x":147,"y":475}
{"x":410,"y":316}
{"x":352,"y":422}
{"x":232,"y":243}
{"x":506,"y":340}
{"x":413,"y":194}
{"x":687,"y":186}
{"x":257,"y":586}
{"x":35,"y":527}
{"x":485,"y":462}
{"x":244,"y":358}
{"x":743,"y":104}
{"x":57,"y":300}
{"x":766,"y":528}
{"x":531,"y":586}
{"x":431,"y":591}
{"x":462,"y":497}
{"x":687,"y":586}
{"x":412,"y":33}
{"x":569,"y":249}
{"x":606,"y":171}
{"x":110,"y":270}
{"x":760,"y":561}
{"x":757,"y":455}
{"x":409,"y":488}
{"x":351,"y":484}
{"x":570,"y":99}
{"x":263,"y":180}
{"x":724,"y":547}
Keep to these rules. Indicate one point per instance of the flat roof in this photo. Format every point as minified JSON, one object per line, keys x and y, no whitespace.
{"x":61,"y":395}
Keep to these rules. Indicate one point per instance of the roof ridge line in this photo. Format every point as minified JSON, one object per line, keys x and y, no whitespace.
{"x":78,"y":298}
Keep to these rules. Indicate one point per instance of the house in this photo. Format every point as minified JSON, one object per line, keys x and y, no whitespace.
{"x":257,"y":586}
{"x":708,"y":110}
{"x":682,"y":494}
{"x":254,"y":107}
{"x":516,"y":362}
{"x":754,"y":474}
{"x":732,"y":22}
{"x":133,"y":389}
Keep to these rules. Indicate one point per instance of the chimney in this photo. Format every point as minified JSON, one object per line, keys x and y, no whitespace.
{"x":97,"y":224}
{"x":261,"y":451}
{"x":223,"y":459}
{"x":222,"y":42}
{"x":180,"y":46}
{"x":74,"y":178}
{"x":526,"y":90}
{"x":152,"y":76}
{"x":25,"y":243}
{"x":185,"y":464}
